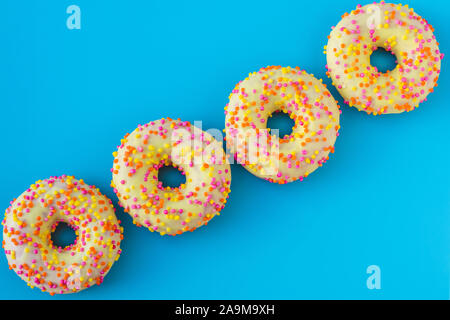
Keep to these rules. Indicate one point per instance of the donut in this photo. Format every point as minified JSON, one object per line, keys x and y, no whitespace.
{"x":30,"y":220}
{"x":167,"y":142}
{"x":305,"y":99}
{"x":397,"y":29}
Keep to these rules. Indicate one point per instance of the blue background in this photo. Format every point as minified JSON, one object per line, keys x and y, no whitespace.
{"x":68,"y":96}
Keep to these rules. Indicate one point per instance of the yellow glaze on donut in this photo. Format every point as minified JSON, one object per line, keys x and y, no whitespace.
{"x":194,"y":152}
{"x":395,"y":28}
{"x":307,"y":101}
{"x":30,"y":220}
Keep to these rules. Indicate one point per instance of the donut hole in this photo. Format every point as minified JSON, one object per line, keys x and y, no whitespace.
{"x":383,"y":60}
{"x":171,"y":177}
{"x":63,"y":235}
{"x":281,"y":121}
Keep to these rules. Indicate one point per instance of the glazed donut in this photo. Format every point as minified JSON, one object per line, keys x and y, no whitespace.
{"x":32,"y":217}
{"x":308,"y":103}
{"x":397,"y":29}
{"x":176,"y":143}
